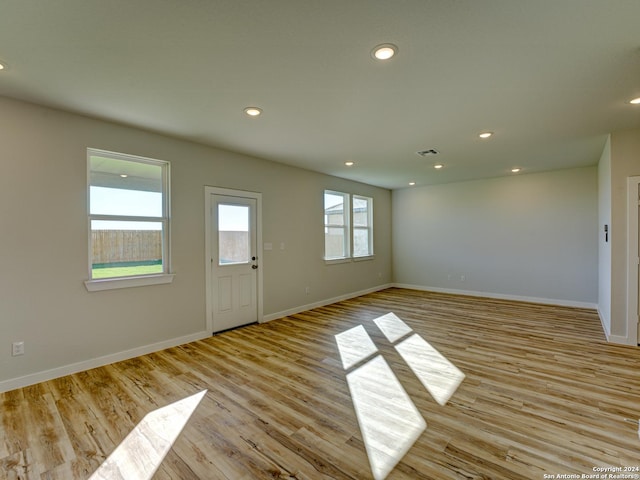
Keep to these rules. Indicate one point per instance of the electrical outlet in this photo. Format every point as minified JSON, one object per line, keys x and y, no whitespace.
{"x":462,"y":278}
{"x":307,"y":290}
{"x":17,"y":348}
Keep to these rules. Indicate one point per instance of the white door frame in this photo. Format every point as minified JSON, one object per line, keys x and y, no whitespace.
{"x":633,"y":183}
{"x":208,"y":192}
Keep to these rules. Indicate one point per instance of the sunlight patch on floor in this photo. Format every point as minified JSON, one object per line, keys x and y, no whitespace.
{"x":142,"y":451}
{"x":389,"y":421}
{"x":355,"y":345}
{"x":392,"y":327}
{"x":438,"y":375}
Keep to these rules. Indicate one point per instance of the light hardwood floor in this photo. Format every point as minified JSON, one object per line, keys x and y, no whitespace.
{"x":543,"y":393}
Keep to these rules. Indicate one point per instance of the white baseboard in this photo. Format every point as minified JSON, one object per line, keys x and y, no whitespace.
{"x":31,"y":379}
{"x":605,"y":327}
{"x":38,"y":377}
{"x":619,"y":339}
{"x":500,"y":296}
{"x":57,"y":372}
{"x":322,"y":303}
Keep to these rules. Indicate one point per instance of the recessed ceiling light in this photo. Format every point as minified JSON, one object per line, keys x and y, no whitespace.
{"x":485,"y":134}
{"x":411,"y":184}
{"x":515,"y":170}
{"x":438,"y":166}
{"x":349,"y":164}
{"x":384,"y":51}
{"x":3,"y":66}
{"x":635,"y":101}
{"x":253,"y":111}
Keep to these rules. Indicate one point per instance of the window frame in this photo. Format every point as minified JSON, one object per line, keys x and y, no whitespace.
{"x":368,"y":227}
{"x":346,"y":224}
{"x":93,"y":284}
{"x":349,"y":228}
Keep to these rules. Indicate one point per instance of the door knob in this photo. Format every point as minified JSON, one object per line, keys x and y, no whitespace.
{"x":254,"y":266}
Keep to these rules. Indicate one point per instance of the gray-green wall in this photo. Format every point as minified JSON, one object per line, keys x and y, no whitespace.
{"x":44,"y":244}
{"x":528,"y":236}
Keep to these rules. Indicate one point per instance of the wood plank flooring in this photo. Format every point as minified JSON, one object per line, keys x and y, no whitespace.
{"x":543,"y":393}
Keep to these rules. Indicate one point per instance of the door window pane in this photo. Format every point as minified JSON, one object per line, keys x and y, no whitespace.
{"x":233,"y":234}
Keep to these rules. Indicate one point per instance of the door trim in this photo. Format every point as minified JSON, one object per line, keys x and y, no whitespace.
{"x":208,"y":192}
{"x":633,"y":184}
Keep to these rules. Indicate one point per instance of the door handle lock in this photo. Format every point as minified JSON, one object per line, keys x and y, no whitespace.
{"x":254,"y":267}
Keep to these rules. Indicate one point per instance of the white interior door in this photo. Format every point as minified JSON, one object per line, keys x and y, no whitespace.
{"x":233,"y":261}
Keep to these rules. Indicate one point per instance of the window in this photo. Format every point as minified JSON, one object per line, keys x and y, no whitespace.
{"x":348,"y":226}
{"x":362,"y":226}
{"x":128,"y":218}
{"x":234,"y":241}
{"x":336,"y":225}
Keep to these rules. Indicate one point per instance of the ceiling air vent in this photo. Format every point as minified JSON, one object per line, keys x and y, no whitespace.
{"x":428,"y":153}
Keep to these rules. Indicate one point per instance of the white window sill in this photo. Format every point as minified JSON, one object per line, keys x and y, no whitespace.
{"x":333,"y":261}
{"x":127,"y":282}
{"x":363,"y":258}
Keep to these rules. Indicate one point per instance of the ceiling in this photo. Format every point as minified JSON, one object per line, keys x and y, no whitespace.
{"x":550,"y":78}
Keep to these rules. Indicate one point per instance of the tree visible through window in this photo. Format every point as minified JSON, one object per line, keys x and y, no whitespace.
{"x":128,"y":215}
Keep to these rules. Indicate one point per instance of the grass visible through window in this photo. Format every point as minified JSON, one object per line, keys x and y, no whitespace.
{"x":129,"y":271}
